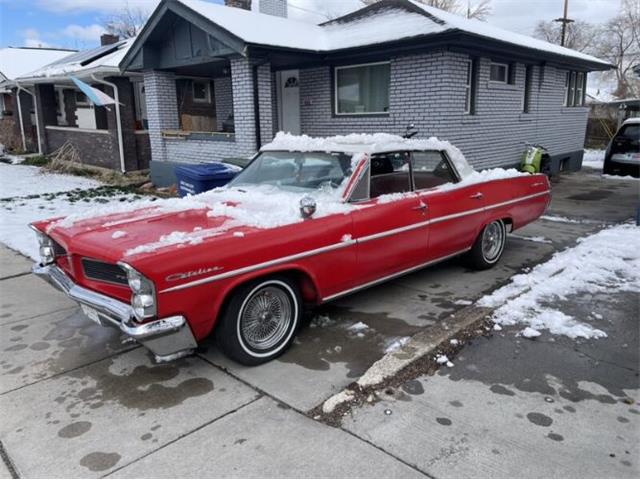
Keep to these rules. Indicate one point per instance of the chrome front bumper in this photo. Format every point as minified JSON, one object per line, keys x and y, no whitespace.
{"x":168,"y":338}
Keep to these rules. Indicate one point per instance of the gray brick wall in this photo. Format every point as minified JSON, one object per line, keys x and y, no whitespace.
{"x":223,"y":94}
{"x":274,"y":7}
{"x":428,"y":90}
{"x":162,"y":109}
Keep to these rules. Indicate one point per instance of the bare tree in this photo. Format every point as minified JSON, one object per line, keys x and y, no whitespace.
{"x":126,"y":23}
{"x":478,"y":9}
{"x":620,"y":45}
{"x":580,"y":35}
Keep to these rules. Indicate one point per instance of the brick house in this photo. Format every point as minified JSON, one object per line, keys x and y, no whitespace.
{"x":380,"y":68}
{"x":15,"y":62}
{"x":115,"y":137}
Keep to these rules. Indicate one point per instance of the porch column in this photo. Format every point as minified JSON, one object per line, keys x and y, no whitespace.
{"x":244,"y":104}
{"x":26,"y":102}
{"x":162,"y":109}
{"x":46,"y":108}
{"x":243,"y":111}
{"x":127,"y":118}
{"x":265,"y":101}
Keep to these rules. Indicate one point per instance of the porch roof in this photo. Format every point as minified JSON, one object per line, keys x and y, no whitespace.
{"x":17,"y":61}
{"x":382,"y":23}
{"x":101,"y":60}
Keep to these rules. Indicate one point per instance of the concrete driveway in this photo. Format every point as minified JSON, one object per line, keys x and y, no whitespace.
{"x":75,"y":402}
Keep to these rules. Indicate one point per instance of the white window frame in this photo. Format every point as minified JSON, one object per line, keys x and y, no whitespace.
{"x":528,"y":87}
{"x":468,"y":88}
{"x":572,"y":89}
{"x":506,"y":72}
{"x":579,"y":91}
{"x":567,"y":80}
{"x":207,"y":84}
{"x":335,"y":89}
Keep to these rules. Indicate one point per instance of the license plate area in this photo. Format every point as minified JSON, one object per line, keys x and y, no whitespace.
{"x":91,"y":313}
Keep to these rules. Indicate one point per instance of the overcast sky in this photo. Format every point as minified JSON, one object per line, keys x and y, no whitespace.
{"x":78,"y":23}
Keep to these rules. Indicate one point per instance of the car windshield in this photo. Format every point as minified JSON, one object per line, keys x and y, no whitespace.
{"x":298,"y":171}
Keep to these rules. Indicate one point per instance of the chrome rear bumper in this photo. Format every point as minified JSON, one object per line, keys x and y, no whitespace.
{"x":167,"y":338}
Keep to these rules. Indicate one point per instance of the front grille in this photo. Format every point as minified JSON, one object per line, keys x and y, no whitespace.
{"x":104,"y":272}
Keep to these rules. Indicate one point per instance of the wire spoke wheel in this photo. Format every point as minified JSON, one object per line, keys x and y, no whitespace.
{"x":493,"y":239}
{"x":266,"y":318}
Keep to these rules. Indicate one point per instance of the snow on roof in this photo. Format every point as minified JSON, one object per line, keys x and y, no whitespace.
{"x":485,"y":30}
{"x":101,"y":59}
{"x":17,"y":61}
{"x":391,"y":22}
{"x":367,"y":143}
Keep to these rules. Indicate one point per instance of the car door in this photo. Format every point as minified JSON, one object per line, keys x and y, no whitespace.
{"x":455,"y":213}
{"x":391,"y":227}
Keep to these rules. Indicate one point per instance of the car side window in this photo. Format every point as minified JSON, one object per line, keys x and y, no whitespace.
{"x":430,"y":169}
{"x":390,"y":173}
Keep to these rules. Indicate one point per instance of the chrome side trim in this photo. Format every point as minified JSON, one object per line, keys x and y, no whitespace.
{"x":393,"y":275}
{"x":394,"y":231}
{"x":251,"y":268}
{"x":336,"y":246}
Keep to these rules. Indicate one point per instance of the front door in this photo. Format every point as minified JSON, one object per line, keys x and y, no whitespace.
{"x":289,"y":90}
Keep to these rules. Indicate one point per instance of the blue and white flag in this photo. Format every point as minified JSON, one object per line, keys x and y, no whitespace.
{"x":97,"y":97}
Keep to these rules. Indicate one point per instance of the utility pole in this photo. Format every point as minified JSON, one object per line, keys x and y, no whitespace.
{"x":564,"y":20}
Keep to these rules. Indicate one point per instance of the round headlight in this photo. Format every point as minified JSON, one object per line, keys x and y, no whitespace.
{"x":135,"y":283}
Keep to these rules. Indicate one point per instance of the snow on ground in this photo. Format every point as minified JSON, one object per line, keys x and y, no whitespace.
{"x":531,"y":239}
{"x":396,"y":344}
{"x":608,"y":260}
{"x":27,"y":195}
{"x":19,"y":181}
{"x":593,"y":158}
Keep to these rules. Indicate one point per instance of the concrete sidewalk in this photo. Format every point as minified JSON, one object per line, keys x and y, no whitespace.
{"x":75,"y":402}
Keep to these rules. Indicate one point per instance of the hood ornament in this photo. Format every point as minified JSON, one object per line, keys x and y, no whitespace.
{"x":307,"y":206}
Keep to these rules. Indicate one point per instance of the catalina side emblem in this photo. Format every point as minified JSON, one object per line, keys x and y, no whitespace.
{"x":193,"y":273}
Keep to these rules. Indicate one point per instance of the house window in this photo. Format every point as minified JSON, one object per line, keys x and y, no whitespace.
{"x":499,"y":72}
{"x":201,"y":91}
{"x":362,"y":89}
{"x":81,"y":99}
{"x":574,"y":90}
{"x":469,"y":88}
{"x":528,"y":81}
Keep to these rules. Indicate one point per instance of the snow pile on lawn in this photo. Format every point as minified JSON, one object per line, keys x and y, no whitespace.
{"x":606,"y":261}
{"x":593,"y":159}
{"x":26,"y":196}
{"x":23,"y":180}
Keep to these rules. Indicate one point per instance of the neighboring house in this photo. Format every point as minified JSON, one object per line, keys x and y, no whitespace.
{"x":606,"y":114}
{"x":15,"y":62}
{"x":221,"y":81}
{"x":113,"y":137}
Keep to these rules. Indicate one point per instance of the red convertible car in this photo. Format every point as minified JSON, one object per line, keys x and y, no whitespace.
{"x":307,"y":221}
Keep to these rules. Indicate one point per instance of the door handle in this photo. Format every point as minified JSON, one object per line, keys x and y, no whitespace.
{"x":423,"y":206}
{"x":477,"y":196}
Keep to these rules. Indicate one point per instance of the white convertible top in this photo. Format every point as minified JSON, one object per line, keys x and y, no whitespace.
{"x":367,"y":143}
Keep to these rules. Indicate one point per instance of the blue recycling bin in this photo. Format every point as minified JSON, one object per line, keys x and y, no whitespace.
{"x":198,"y":178}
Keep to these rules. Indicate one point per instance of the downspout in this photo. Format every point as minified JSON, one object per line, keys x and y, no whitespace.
{"x":116,"y":96}
{"x":256,"y":107}
{"x":35,"y":108}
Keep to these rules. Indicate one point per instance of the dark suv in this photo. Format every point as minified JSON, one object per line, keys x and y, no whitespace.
{"x":623,"y":153}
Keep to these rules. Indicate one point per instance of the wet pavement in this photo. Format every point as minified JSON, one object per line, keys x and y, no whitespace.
{"x":76,"y":402}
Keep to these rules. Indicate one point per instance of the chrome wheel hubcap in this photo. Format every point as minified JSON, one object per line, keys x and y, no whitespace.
{"x":266,"y":318}
{"x":492,"y":240}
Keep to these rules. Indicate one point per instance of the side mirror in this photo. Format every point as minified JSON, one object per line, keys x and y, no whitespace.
{"x":307,"y":207}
